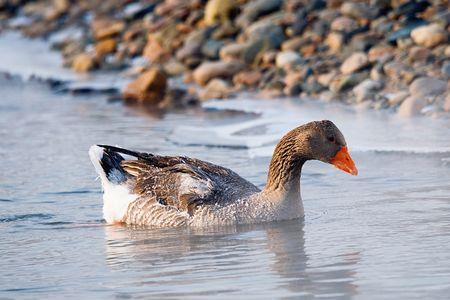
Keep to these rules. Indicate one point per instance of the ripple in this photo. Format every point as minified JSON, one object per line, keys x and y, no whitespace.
{"x":24,"y":217}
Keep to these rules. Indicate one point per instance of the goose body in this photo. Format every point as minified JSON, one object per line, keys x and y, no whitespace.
{"x":168,"y":191}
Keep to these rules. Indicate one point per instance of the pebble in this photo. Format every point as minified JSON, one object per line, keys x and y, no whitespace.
{"x":215,"y":89}
{"x":354,"y":62}
{"x":83,"y":63}
{"x":287,"y":59}
{"x":429,"y":35}
{"x":411,"y":106}
{"x":148,"y":88}
{"x":427,"y":86}
{"x":366,"y":90}
{"x":223,"y":69}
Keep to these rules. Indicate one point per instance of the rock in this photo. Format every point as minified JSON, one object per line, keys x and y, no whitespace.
{"x":355,"y":62}
{"x":293,"y":78}
{"x":427,"y":86}
{"x":411,"y":106}
{"x":105,"y":47}
{"x":174,"y":68}
{"x":366,"y":90}
{"x":419,"y":54}
{"x":445,"y":70}
{"x":447,"y":51}
{"x":247,"y":78}
{"x":447,"y":103}
{"x":345,"y":82}
{"x":232,"y":51}
{"x":259,"y":43}
{"x":397,"y":71}
{"x":269,"y":57}
{"x":311,"y":86}
{"x":295,"y":43}
{"x":211,"y":48}
{"x":215,"y":89}
{"x":405,"y":31}
{"x":218,"y":11}
{"x":335,"y":41}
{"x":325,"y":79}
{"x":83,"y":63}
{"x":397,"y":98}
{"x":223,"y":69}
{"x":267,"y":31}
{"x":153,"y":50}
{"x":148,"y":88}
{"x":254,"y":9}
{"x":429,"y":35}
{"x":287,"y":59}
{"x":382,"y":53}
{"x":376,"y":73}
{"x":356,"y":10}
{"x":344,"y":24}
{"x":104,"y":28}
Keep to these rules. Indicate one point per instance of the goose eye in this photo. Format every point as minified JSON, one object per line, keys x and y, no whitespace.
{"x":331,"y":139}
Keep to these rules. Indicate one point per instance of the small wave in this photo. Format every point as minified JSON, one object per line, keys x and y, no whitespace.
{"x":72,"y":192}
{"x":24,"y":217}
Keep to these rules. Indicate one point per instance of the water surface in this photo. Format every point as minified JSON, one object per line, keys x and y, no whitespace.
{"x":382,"y":235}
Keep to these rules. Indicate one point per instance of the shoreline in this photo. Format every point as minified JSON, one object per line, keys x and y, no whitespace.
{"x":329,"y":51}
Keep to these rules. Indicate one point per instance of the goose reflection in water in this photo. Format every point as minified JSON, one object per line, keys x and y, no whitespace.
{"x":261,"y":260}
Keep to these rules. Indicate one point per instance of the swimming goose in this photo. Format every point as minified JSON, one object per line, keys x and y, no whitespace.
{"x":169,"y":191}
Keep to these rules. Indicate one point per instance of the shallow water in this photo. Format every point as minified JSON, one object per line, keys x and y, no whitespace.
{"x":384,"y":234}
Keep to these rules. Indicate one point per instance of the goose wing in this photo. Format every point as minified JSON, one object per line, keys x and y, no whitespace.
{"x":181,"y":182}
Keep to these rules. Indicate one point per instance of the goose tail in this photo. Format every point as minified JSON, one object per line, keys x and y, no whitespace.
{"x":107,"y":165}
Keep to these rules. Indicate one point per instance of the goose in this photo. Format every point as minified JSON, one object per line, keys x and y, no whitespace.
{"x":169,"y":191}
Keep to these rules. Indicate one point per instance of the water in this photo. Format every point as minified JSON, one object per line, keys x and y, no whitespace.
{"x":382,"y":235}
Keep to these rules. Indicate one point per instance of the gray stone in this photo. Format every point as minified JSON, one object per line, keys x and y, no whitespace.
{"x":411,"y":106}
{"x":211,"y":48}
{"x":254,"y":9}
{"x":286,"y":59}
{"x":397,"y":98}
{"x":445,"y":70}
{"x":427,"y":86}
{"x":366,"y":89}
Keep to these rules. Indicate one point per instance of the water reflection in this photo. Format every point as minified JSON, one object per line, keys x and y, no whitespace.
{"x":235,"y":253}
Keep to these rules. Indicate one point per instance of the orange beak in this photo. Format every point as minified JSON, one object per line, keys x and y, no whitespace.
{"x":343,"y":161}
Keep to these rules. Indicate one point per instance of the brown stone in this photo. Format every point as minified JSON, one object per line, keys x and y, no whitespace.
{"x":105,"y":47}
{"x":104,"y":28}
{"x":83,"y":63}
{"x":381,"y":53}
{"x":154,"y":51}
{"x":148,"y":88}
{"x":429,"y":35}
{"x":354,"y":62}
{"x":223,"y":69}
{"x":247,"y":78}
{"x":335,"y":41}
{"x":215,"y":89}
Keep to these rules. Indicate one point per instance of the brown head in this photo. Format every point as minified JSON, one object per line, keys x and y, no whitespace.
{"x":318,"y":140}
{"x":322,"y":140}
